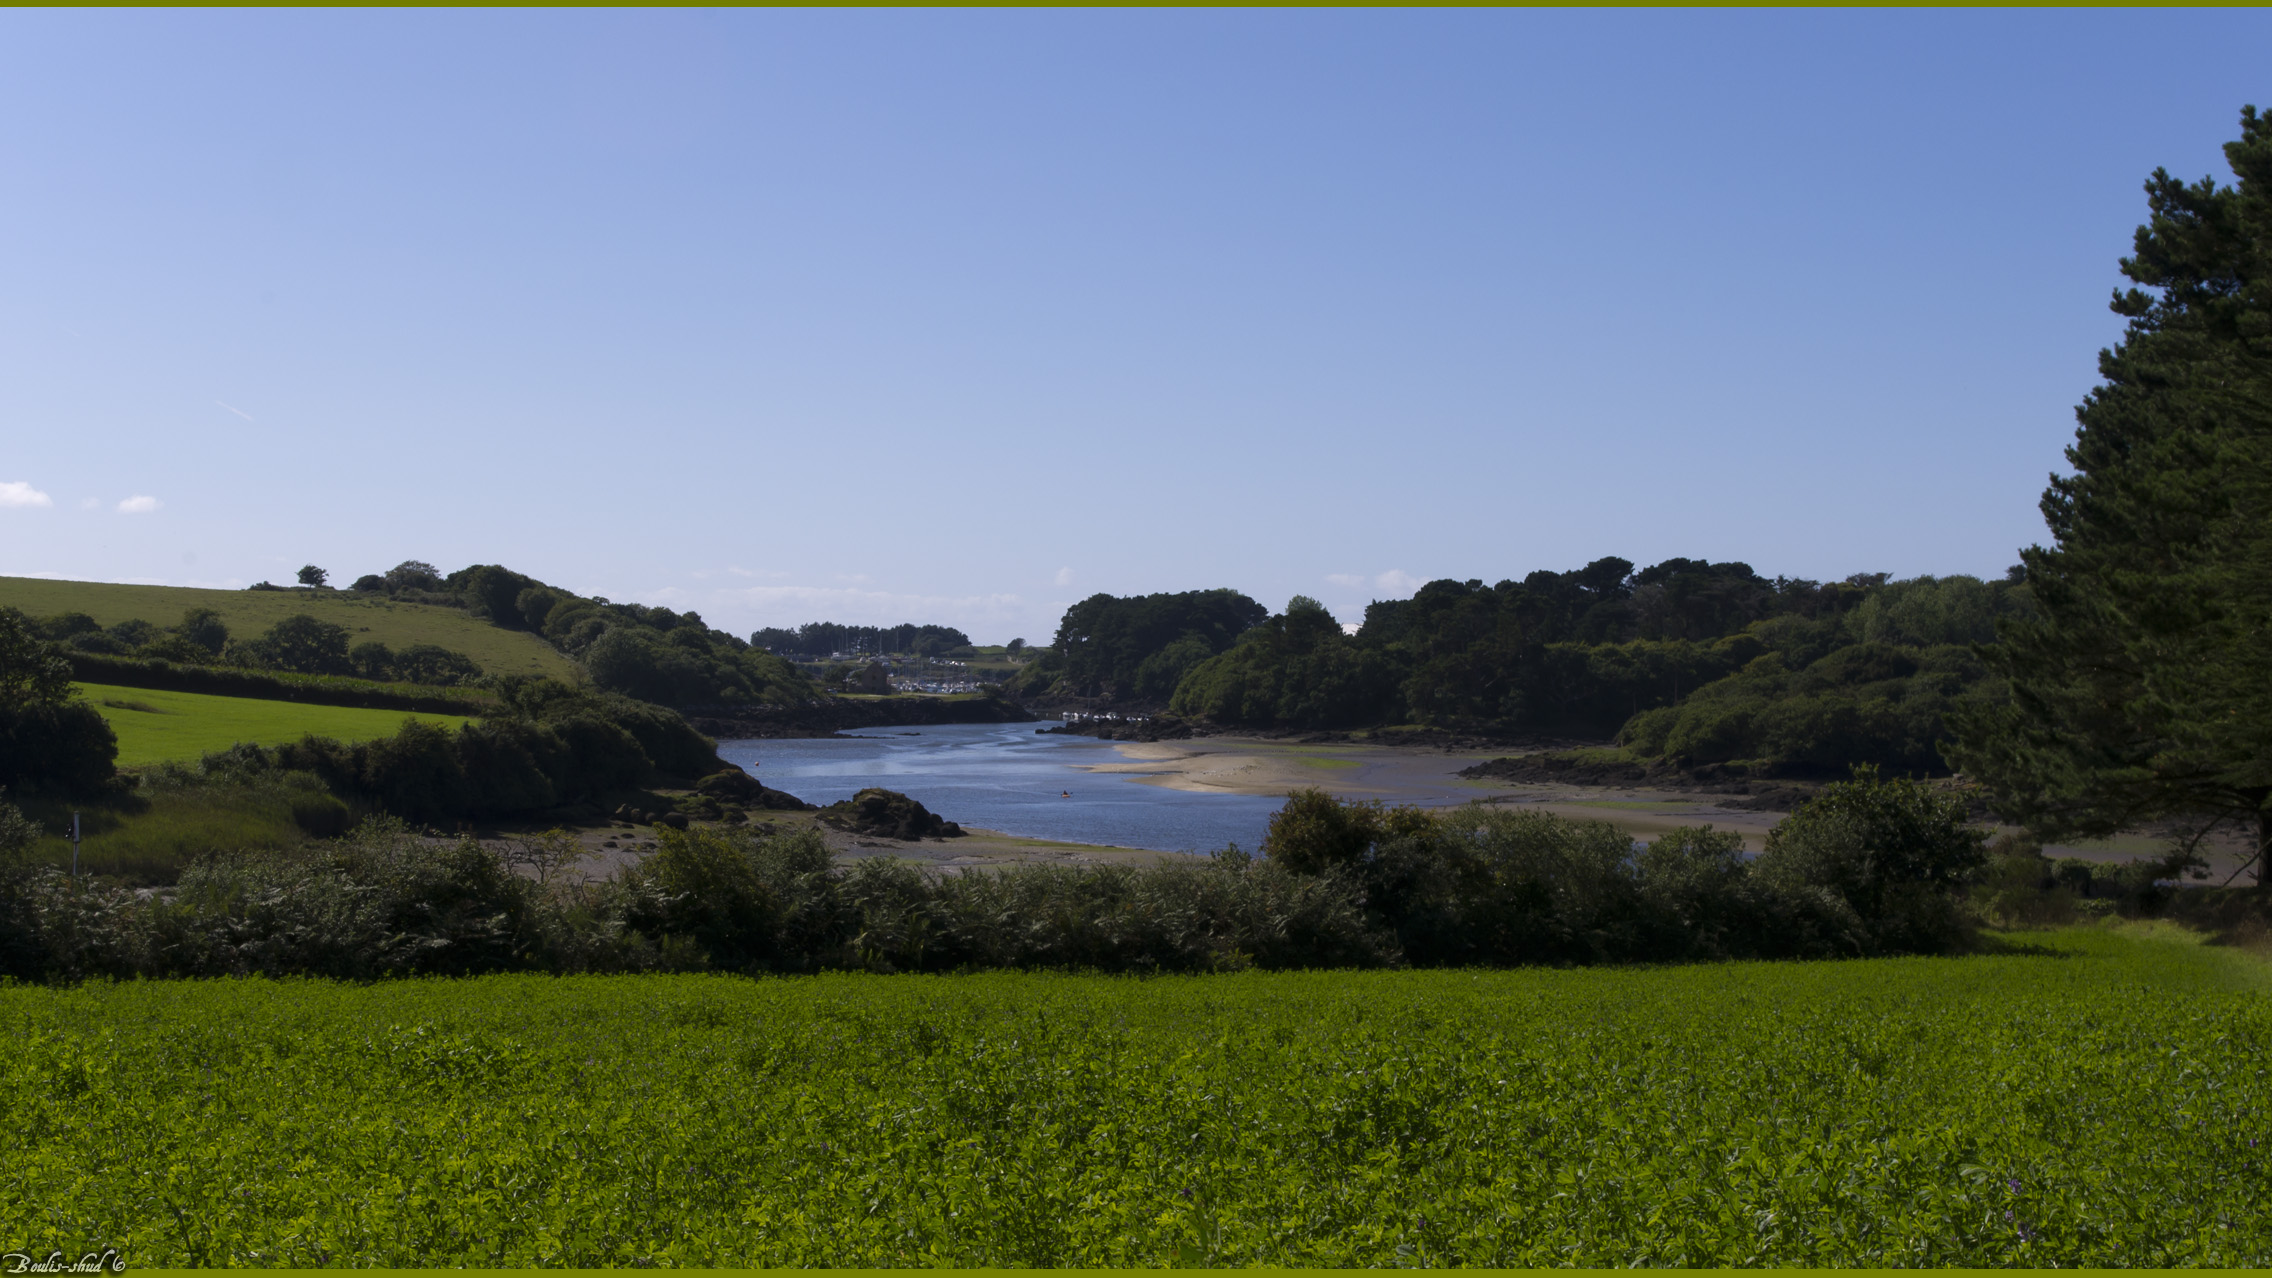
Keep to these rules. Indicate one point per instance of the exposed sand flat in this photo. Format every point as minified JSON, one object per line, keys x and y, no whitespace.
{"x":1174,"y":768}
{"x":1430,"y":778}
{"x":1403,"y":774}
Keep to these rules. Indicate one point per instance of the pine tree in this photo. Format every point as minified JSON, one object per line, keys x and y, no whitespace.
{"x":2141,"y":688}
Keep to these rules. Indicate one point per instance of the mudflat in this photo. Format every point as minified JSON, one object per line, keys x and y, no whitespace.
{"x":1406,"y":774}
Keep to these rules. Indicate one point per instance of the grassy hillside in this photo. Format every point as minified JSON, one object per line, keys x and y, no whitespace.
{"x":2092,"y":1099}
{"x":249,"y":612}
{"x":153,"y":726}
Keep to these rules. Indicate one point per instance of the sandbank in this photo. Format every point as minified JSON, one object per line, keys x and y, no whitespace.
{"x":1408,"y":774}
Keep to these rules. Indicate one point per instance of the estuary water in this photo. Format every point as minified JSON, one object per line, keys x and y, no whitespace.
{"x":1007,"y":777}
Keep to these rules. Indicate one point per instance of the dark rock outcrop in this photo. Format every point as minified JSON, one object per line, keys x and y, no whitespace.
{"x":736,"y":786}
{"x":888,"y":814}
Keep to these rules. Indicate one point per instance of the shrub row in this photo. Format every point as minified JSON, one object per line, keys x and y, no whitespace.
{"x":1870,"y":868}
{"x":319,"y":690}
{"x":387,"y":902}
{"x":547,"y":746}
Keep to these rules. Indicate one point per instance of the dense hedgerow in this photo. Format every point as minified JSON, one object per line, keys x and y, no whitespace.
{"x":2100,"y":1101}
{"x":1870,"y":867}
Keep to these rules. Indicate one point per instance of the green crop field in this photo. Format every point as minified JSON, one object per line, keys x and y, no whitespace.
{"x":2102,"y":1100}
{"x":154,"y":726}
{"x":248,"y":613}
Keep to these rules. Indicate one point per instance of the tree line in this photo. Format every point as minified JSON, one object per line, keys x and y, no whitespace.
{"x":651,"y":654}
{"x":1688,"y":661}
{"x":817,"y":639}
{"x":299,"y":644}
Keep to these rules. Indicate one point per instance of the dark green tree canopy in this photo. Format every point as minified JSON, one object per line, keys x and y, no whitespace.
{"x":49,"y":739}
{"x":2141,"y":688}
{"x":308,"y":645}
{"x":817,"y":639}
{"x":1139,"y":647}
{"x":31,"y":672}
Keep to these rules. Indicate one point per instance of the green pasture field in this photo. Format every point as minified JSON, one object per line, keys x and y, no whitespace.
{"x":154,"y":726}
{"x":2084,"y":1098}
{"x":248,"y":613}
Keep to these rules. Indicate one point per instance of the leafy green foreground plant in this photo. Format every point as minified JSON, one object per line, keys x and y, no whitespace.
{"x":2104,"y":1104}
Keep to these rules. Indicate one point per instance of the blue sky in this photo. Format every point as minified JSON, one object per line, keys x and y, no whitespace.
{"x":961,"y":317}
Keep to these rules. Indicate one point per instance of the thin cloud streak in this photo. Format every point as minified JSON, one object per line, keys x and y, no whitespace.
{"x":1395,"y":582}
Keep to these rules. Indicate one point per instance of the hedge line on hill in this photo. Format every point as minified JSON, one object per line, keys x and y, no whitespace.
{"x":231,"y":681}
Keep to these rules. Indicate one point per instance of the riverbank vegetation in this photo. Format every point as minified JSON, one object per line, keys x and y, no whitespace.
{"x":1869,"y":867}
{"x":1688,"y":663}
{"x":1139,"y":648}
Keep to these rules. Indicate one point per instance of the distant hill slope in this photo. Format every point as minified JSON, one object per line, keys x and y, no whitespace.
{"x":247,"y":613}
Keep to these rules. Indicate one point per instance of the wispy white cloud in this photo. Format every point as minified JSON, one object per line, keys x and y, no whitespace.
{"x":705,"y":574}
{"x":197,"y":583}
{"x":1394,"y":582}
{"x":141,"y":504}
{"x":238,"y":411}
{"x":1064,"y":577}
{"x":90,"y":503}
{"x":17,"y":495}
{"x":201,"y":583}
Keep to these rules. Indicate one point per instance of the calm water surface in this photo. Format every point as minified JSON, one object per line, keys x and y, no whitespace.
{"x":1005,"y":776}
